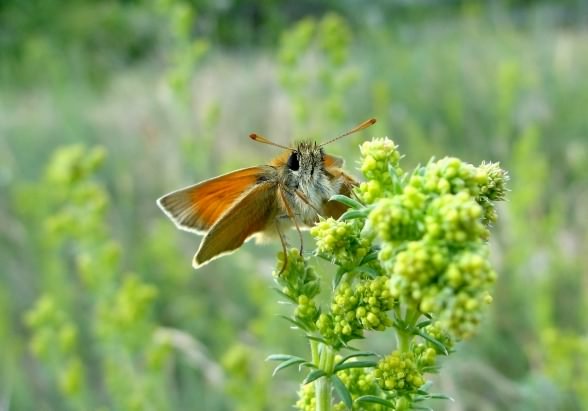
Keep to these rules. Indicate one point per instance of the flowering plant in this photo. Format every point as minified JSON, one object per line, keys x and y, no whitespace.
{"x":411,"y":255}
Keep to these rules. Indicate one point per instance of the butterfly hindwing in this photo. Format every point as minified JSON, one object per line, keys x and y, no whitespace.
{"x":251,"y":214}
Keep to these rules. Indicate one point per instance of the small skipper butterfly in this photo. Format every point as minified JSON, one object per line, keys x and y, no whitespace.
{"x":294,"y":189}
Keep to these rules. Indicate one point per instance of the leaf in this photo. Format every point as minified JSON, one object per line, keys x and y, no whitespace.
{"x":306,"y":364}
{"x":283,"y":294}
{"x":349,"y":202}
{"x":434,"y":341}
{"x":286,"y":364}
{"x":338,"y":276}
{"x":282,"y":357}
{"x":324,"y":257}
{"x":431,"y":369}
{"x":317,"y":339}
{"x":422,"y":408}
{"x":438,"y":397}
{"x":371,"y":256}
{"x":298,"y":324}
{"x":424,"y":389}
{"x":368,"y":270}
{"x":358,"y":354}
{"x":342,"y":391}
{"x":423,"y":323}
{"x":314,"y":375}
{"x":353,"y":214}
{"x":355,"y":364}
{"x":372,"y":399}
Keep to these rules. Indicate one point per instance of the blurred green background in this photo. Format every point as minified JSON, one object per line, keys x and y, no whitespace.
{"x":107,"y":105}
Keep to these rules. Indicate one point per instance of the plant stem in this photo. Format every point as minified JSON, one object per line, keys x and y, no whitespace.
{"x":404,"y":337}
{"x":403,"y":340}
{"x":324,"y":359}
{"x":314,"y":351}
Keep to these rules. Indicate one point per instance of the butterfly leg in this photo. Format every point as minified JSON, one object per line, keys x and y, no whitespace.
{"x":284,"y":247}
{"x":292,"y":216}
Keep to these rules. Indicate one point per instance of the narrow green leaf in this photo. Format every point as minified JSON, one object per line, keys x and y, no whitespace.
{"x":283,"y":294}
{"x":422,"y":408}
{"x":371,"y":256}
{"x":282,"y":357}
{"x":323,"y":256}
{"x":358,"y":354}
{"x":368,"y":270}
{"x":306,"y":364}
{"x":313,"y":375}
{"x":423,"y":323}
{"x":434,"y":341}
{"x":318,"y":339}
{"x":355,"y":364}
{"x":353,"y":214}
{"x":287,"y":364}
{"x":342,"y":391}
{"x":372,"y":399}
{"x":440,"y":397}
{"x":349,"y":202}
{"x":425,"y":388}
{"x":298,"y":324}
{"x":338,"y":276}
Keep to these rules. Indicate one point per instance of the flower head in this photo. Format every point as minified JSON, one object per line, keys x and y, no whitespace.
{"x":380,"y":165}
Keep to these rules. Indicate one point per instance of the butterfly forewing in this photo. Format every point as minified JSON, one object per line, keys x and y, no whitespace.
{"x":199,"y":207}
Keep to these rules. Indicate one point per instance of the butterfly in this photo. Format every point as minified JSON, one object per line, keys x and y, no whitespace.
{"x":294,"y":189}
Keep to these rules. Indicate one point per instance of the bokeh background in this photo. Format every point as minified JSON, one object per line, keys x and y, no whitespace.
{"x":107,"y":105}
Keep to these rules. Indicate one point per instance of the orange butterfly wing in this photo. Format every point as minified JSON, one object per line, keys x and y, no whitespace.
{"x":198,"y":207}
{"x":330,"y":161}
{"x":332,"y":166}
{"x":250,"y":215}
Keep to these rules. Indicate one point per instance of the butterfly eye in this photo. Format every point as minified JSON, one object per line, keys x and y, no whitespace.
{"x":293,"y":163}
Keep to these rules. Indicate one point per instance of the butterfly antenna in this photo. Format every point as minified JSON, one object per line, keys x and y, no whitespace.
{"x":355,"y":129}
{"x":262,"y":139}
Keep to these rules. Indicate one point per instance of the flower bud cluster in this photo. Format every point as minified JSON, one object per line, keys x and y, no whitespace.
{"x":340,"y":241}
{"x":126,"y":309}
{"x":433,"y":233}
{"x":494,"y":189}
{"x":455,"y":219}
{"x":306,"y":398}
{"x":452,"y":287}
{"x":359,"y":382}
{"x":436,"y":331}
{"x":449,"y":175}
{"x":379,"y":164}
{"x":356,"y":308}
{"x":53,"y":330}
{"x":399,"y":218}
{"x":415,"y":273}
{"x":426,"y":354}
{"x":399,"y":371}
{"x":300,"y":284}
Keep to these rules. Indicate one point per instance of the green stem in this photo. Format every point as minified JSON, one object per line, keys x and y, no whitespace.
{"x":314,"y":351}
{"x":404,"y":337}
{"x":322,"y":386}
{"x":403,"y":340}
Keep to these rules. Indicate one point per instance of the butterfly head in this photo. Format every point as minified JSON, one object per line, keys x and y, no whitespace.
{"x":305,"y":162}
